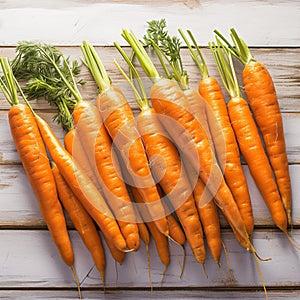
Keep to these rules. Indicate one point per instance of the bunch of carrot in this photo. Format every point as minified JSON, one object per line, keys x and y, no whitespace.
{"x":165,"y":171}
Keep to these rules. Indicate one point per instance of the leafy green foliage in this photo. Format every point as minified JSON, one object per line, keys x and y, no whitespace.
{"x":34,"y":63}
{"x":169,"y":46}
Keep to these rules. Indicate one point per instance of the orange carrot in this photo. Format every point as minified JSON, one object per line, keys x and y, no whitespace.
{"x":93,"y":137}
{"x":81,"y":220}
{"x":82,"y":186}
{"x":248,"y":138}
{"x":167,"y":167}
{"x":96,"y":140}
{"x":168,"y":99}
{"x":160,"y":239}
{"x":223,"y":136}
{"x":34,"y":158}
{"x":120,"y":124}
{"x":260,"y":91}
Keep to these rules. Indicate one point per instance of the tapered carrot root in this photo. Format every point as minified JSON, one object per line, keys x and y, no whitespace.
{"x":251,"y":146}
{"x":161,"y":241}
{"x":261,"y":94}
{"x":81,"y":221}
{"x":36,"y":164}
{"x":222,"y":134}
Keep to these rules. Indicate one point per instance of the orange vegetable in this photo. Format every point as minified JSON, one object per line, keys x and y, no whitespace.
{"x":81,"y":220}
{"x":223,"y":136}
{"x":120,"y":124}
{"x":168,"y":99}
{"x":261,"y":94}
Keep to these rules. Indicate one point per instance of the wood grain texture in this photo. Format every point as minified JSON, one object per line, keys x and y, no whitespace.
{"x":69,"y":22}
{"x":282,"y":63}
{"x":174,"y":294}
{"x":35,"y":263}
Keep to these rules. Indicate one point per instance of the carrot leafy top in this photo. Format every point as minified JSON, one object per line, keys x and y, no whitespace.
{"x":239,"y":49}
{"x":141,"y":95}
{"x":50,"y":75}
{"x":224,"y":63}
{"x":195,"y":53}
{"x":7,"y":82}
{"x":142,"y":55}
{"x":94,"y":64}
{"x":10,"y":86}
{"x":167,"y":48}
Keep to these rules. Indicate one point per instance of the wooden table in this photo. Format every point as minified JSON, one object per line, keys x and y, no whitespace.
{"x":30,"y":266}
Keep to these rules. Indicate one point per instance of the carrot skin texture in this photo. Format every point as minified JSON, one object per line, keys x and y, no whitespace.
{"x":161,"y":241}
{"x":227,"y":148}
{"x":33,"y":155}
{"x":210,"y":220}
{"x":74,"y":147}
{"x":251,"y":147}
{"x":120,"y":124}
{"x":169,"y":171}
{"x":168,"y":99}
{"x":81,"y":221}
{"x":176,"y":233}
{"x":81,"y":186}
{"x":98,"y":147}
{"x":260,"y":90}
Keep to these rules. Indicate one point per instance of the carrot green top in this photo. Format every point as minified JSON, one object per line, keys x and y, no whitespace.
{"x":195,"y":52}
{"x":167,"y":47}
{"x":10,"y":86}
{"x":142,"y":55}
{"x":239,"y":49}
{"x":141,"y":97}
{"x":49,"y":74}
{"x":7,"y":83}
{"x":224,"y":64}
{"x":94,"y":64}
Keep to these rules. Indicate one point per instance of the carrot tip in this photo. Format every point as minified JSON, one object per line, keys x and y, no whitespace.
{"x":77,"y":281}
{"x":292,"y":242}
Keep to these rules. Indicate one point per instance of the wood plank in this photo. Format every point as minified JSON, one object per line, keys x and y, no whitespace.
{"x":8,"y":154}
{"x":35,"y":248}
{"x":69,"y":22}
{"x":283,"y":64}
{"x":156,"y":294}
{"x":18,"y":205}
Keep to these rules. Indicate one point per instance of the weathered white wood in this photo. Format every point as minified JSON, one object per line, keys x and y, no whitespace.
{"x":283,"y":64}
{"x":18,"y":205}
{"x":156,"y":294}
{"x":30,"y":259}
{"x":100,"y":22}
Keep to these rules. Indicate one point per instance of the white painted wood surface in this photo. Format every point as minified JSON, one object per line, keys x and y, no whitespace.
{"x":30,"y":266}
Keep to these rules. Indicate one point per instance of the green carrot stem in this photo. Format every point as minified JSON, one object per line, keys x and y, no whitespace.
{"x":142,"y":55}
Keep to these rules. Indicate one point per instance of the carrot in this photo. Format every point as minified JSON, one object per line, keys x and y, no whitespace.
{"x":161,"y":241}
{"x":92,"y":134}
{"x":167,"y":167}
{"x":120,"y":124}
{"x":248,"y":138}
{"x":223,"y":135}
{"x":168,"y":99}
{"x":261,"y":94}
{"x":169,"y":47}
{"x":81,"y":221}
{"x":209,"y":215}
{"x":33,"y":155}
